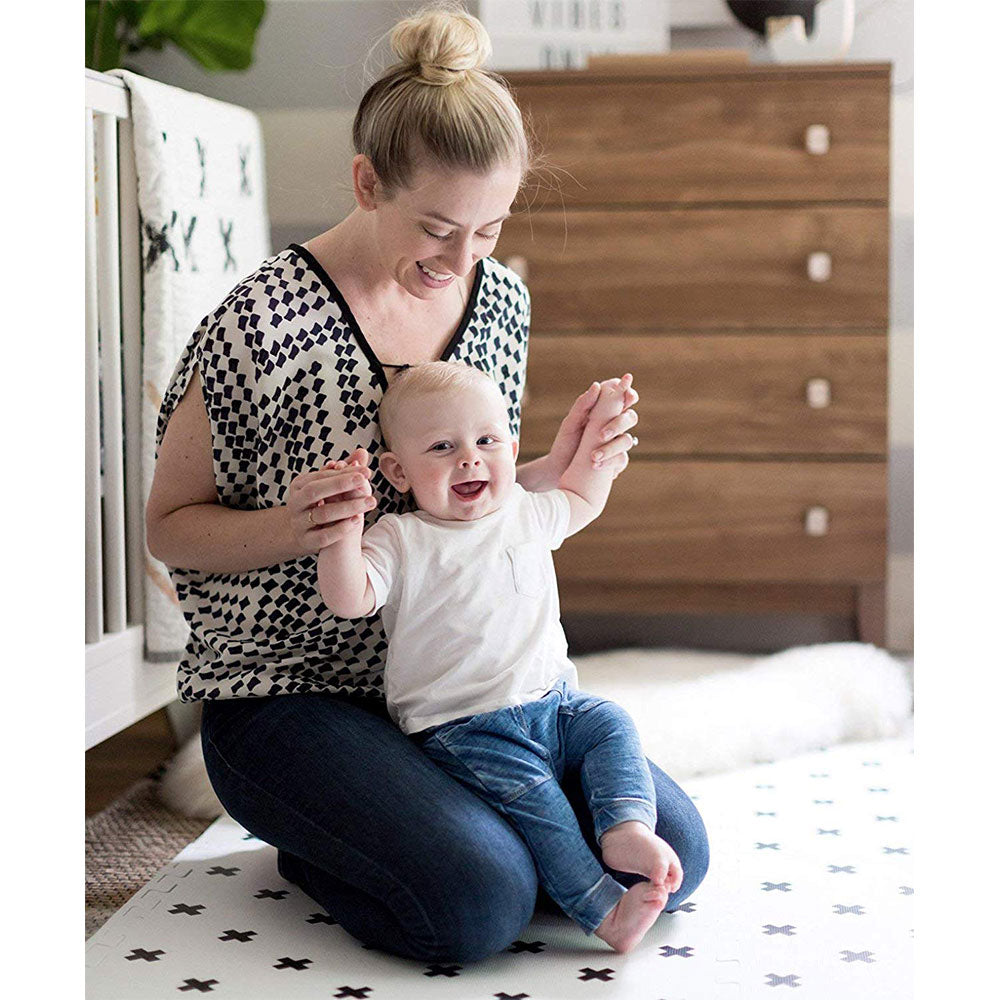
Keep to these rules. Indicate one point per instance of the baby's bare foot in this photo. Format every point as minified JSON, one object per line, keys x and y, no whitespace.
{"x":633,"y":847}
{"x":626,"y":925}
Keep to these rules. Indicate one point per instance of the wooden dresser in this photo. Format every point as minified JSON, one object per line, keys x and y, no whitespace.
{"x":723,"y":235}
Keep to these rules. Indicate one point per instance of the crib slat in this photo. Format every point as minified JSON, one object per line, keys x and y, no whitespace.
{"x":92,"y":481}
{"x":131,"y":274}
{"x":109,"y":312}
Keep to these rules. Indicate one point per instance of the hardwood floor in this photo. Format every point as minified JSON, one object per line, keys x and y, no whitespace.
{"x":122,"y":759}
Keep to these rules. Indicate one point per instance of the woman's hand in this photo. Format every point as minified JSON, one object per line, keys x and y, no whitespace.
{"x":329,"y":504}
{"x":617,"y":442}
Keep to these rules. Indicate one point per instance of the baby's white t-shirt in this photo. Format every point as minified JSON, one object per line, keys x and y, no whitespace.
{"x":470,"y":608}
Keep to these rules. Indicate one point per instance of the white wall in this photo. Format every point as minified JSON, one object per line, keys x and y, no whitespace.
{"x":309,"y":75}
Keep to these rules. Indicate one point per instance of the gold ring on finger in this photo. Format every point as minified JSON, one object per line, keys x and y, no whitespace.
{"x":311,"y":521}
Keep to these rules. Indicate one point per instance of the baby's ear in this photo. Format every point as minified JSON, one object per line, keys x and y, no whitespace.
{"x":391,"y":468}
{"x":516,"y":447}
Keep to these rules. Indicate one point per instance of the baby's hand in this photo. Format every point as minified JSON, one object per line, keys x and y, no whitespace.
{"x":364,"y":490}
{"x":610,"y":402}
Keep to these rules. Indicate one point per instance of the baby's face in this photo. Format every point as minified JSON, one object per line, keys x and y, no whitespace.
{"x":448,"y":441}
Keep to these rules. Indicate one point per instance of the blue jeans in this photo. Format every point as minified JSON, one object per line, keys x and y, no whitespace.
{"x":515,"y":757}
{"x":402,"y":856}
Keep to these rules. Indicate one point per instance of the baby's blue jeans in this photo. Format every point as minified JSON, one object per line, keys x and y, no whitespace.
{"x":514,"y":758}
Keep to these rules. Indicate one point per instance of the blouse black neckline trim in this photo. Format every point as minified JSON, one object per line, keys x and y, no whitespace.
{"x":359,"y":335}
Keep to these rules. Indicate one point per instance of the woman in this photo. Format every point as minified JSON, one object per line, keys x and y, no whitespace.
{"x":266,"y":428}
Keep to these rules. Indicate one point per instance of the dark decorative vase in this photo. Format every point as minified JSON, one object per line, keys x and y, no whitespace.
{"x":754,"y":13}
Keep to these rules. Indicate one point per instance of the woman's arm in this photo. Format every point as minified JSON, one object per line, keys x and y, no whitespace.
{"x":187,"y":527}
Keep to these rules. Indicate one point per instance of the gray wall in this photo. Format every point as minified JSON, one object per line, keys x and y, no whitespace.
{"x":306,"y":81}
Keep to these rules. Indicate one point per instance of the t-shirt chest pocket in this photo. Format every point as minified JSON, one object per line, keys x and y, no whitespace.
{"x":527,"y":566}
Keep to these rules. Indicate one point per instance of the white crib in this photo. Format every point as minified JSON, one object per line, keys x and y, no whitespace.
{"x":121,"y":687}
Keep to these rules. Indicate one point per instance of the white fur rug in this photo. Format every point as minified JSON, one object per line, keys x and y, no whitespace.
{"x":702,"y":712}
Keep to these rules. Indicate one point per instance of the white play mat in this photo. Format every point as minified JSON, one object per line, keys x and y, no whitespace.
{"x":810,"y":889}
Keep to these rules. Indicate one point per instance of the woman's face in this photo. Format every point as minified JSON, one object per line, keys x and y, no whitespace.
{"x":444,"y":222}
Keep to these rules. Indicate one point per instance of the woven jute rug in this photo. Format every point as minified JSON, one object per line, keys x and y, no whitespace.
{"x":127,"y":843}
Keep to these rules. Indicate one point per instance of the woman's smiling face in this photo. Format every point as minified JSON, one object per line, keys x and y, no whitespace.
{"x":446,"y":221}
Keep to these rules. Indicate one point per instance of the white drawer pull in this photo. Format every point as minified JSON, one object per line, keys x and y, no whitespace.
{"x":818,"y":139}
{"x":819,"y":266}
{"x":817,"y":521}
{"x":519,"y":265}
{"x":818,"y":393}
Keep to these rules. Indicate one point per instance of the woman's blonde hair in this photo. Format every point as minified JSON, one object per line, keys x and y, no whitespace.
{"x":425,"y":379}
{"x":438,"y":101}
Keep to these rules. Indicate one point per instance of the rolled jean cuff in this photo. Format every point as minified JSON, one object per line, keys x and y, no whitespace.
{"x":621,"y":811}
{"x":600,"y":900}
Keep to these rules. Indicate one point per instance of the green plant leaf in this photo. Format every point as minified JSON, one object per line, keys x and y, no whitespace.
{"x":218,"y":34}
{"x":103,"y":46}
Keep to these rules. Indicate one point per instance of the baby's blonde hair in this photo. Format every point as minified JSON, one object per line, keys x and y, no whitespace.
{"x":426,"y":379}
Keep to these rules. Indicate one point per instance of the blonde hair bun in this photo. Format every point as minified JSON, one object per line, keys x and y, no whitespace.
{"x":446,"y":43}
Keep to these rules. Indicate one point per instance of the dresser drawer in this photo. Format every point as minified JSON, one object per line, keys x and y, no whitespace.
{"x":734,"y":268}
{"x":746,"y":138}
{"x":735,"y":522}
{"x":725,"y":394}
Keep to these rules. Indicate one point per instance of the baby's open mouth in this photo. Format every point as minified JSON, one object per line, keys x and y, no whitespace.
{"x":470,"y":490}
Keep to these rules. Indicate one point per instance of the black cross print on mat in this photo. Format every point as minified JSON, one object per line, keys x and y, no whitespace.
{"x":192,"y":911}
{"x":533,"y":946}
{"x":293,"y":963}
{"x":822,"y":802}
{"x":896,"y":850}
{"x":840,"y":909}
{"x":148,"y":956}
{"x":773,"y":847}
{"x":767,"y":814}
{"x":775,"y":980}
{"x":234,"y":935}
{"x":186,"y":236}
{"x":218,"y":870}
{"x":836,"y":833}
{"x":891,"y":819}
{"x":354,"y":991}
{"x":442,"y":970}
{"x":321,"y":918}
{"x":788,"y":929}
{"x":668,"y":952}
{"x":858,"y":956}
{"x":250,"y":836}
{"x":201,"y":985}
{"x":227,"y":235}
{"x":157,"y":243}
{"x":878,"y":789}
{"x":771,"y":886}
{"x":603,"y":974}
{"x":271,"y":894}
{"x":511,"y":996}
{"x":685,"y":908}
{"x":833,"y":869}
{"x":201,"y":163}
{"x":244,"y":155}
{"x":905,"y":890}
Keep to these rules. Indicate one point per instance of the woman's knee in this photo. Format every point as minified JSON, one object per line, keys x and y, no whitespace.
{"x":490,"y":900}
{"x":689,"y":839}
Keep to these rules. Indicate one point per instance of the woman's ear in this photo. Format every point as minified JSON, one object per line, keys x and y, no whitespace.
{"x":391,"y":468}
{"x":365,"y":182}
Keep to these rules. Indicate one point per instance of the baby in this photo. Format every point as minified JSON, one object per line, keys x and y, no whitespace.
{"x":477,"y":672}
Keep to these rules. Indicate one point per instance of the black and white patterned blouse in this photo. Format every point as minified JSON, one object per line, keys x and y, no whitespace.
{"x":289,"y":382}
